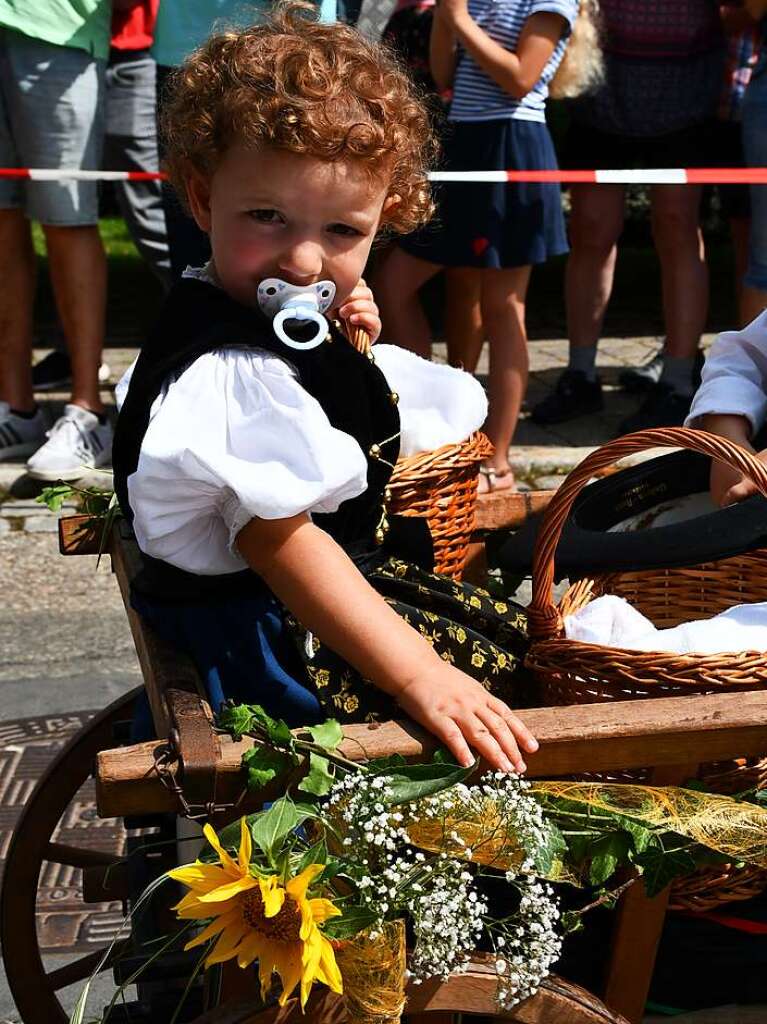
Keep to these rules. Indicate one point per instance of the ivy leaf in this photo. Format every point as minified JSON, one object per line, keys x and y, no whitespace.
{"x":319,"y":779}
{"x":551,"y":851}
{"x":661,"y":867}
{"x":380,"y":765}
{"x":352,"y":921}
{"x":327,"y":735}
{"x":414,"y":781}
{"x":606,"y":854}
{"x":236,"y":719}
{"x":270,"y":827}
{"x":263,"y":765}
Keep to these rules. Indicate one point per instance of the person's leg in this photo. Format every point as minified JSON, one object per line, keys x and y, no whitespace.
{"x":596,"y":222}
{"x":78,"y":271}
{"x":130,"y":144}
{"x":503,"y":316}
{"x":754,"y":296}
{"x":684,"y":274}
{"x":18,"y":273}
{"x":464,"y":331}
{"x":395,"y":283}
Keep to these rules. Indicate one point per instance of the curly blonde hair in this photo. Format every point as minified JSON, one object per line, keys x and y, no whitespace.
{"x":582,"y":68}
{"x":305,"y":87}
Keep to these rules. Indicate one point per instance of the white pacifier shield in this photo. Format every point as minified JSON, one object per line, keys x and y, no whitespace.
{"x":283,"y":301}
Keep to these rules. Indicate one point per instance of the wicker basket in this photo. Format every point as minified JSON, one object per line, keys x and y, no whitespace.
{"x":571,"y":672}
{"x":441,"y":486}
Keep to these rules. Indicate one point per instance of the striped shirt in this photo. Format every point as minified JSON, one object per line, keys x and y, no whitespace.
{"x":476,"y":97}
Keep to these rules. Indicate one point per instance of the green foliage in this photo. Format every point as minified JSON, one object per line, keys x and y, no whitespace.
{"x":264,"y":764}
{"x":269,"y":828}
{"x":319,"y":779}
{"x":413,"y":781}
{"x":327,"y":735}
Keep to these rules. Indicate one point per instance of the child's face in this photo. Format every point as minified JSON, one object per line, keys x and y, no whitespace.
{"x":271,"y":213}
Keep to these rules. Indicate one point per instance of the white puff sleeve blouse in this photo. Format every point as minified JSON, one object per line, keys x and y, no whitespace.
{"x":237,"y":437}
{"x":734,"y":380}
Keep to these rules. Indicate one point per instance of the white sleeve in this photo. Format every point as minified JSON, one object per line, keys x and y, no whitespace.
{"x":735,"y":376}
{"x":438,"y":404}
{"x":236,"y":436}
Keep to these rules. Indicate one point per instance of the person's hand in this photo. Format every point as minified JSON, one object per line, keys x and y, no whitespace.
{"x":460,"y":712}
{"x":360,"y":310}
{"x":729,"y":485}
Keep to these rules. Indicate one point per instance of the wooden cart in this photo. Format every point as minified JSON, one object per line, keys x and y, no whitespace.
{"x":192,"y":771}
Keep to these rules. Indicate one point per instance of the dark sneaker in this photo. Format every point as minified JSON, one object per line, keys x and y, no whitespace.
{"x":574,"y":395}
{"x":663,"y":407}
{"x":638,"y":380}
{"x":52,"y":373}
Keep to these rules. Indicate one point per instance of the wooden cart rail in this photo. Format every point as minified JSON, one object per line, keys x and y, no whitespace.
{"x":675,"y":731}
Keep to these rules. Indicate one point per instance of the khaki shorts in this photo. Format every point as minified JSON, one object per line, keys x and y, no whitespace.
{"x":51,"y":115}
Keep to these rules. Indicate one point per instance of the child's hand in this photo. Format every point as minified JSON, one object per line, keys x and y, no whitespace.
{"x":729,"y":485}
{"x":461,"y":713}
{"x":360,"y":310}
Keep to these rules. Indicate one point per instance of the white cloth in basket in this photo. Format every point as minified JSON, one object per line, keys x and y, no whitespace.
{"x":612,"y":622}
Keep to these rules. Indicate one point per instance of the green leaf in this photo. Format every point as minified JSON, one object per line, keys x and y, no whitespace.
{"x":661,"y":867}
{"x":319,"y":779}
{"x":236,"y":719}
{"x":54,"y":497}
{"x":327,"y":735}
{"x":317,"y":854}
{"x":552,"y":850}
{"x":352,"y":921}
{"x":380,"y":765}
{"x":270,"y":827}
{"x":263,"y":765}
{"x":606,"y":854}
{"x":415,"y":781}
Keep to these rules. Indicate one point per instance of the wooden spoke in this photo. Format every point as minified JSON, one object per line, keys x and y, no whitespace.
{"x":79,"y":856}
{"x":83,"y":967}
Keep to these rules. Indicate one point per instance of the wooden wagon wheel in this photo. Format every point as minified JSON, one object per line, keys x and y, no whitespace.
{"x":469,"y":993}
{"x":33,"y":988}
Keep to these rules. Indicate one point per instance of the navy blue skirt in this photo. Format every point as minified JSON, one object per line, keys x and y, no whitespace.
{"x":496,"y":225}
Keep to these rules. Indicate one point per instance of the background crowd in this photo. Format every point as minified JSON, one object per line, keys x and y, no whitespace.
{"x":642,"y":84}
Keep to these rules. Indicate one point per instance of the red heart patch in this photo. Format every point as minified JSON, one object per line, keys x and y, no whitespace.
{"x":479,"y":245}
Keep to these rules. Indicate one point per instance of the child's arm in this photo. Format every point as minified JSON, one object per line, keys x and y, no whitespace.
{"x":516,"y":72}
{"x":732,"y":401}
{"x":316,"y":580}
{"x":443,"y":52}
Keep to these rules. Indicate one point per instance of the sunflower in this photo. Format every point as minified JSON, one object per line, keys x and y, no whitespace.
{"x":260,"y":919}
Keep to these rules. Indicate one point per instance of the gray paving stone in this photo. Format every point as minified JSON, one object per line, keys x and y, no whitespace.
{"x":41,"y":524}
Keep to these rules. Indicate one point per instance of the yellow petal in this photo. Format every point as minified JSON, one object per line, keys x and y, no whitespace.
{"x":226,"y":861}
{"x":327,"y":971}
{"x":215,"y":926}
{"x":196,"y":875}
{"x":272,"y":894}
{"x":297,"y":886}
{"x":287,"y":962}
{"x":227,"y":944}
{"x":226,"y":892}
{"x":246,"y":846}
{"x":311,"y":963}
{"x":322,"y":910}
{"x":250,"y":949}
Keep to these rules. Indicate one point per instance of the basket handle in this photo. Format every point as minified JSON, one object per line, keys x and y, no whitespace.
{"x":544,"y":618}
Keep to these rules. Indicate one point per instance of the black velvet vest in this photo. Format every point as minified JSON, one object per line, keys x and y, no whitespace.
{"x":199,"y":318}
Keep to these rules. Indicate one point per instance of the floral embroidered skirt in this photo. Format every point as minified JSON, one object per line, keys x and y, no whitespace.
{"x":247,"y":649}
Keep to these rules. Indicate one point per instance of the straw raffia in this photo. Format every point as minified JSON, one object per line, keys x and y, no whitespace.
{"x":373,"y":972}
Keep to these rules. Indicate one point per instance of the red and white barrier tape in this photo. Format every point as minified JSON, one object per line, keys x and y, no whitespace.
{"x":655,"y":176}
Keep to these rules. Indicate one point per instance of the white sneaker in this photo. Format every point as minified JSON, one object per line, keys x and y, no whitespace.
{"x":19,"y":435}
{"x":76,"y":443}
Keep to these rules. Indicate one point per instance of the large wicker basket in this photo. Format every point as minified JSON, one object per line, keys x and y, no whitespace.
{"x":441,"y":486}
{"x":571,"y":672}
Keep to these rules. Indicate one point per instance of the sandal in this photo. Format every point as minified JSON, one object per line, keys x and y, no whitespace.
{"x":491,"y":476}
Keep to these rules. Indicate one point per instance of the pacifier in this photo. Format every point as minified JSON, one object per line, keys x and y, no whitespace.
{"x":296,"y":302}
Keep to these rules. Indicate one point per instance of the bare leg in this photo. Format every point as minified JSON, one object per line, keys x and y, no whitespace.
{"x":503,"y":315}
{"x":395,"y":284}
{"x":79,"y":277}
{"x":596,"y":222}
{"x":684,"y":275}
{"x":17,"y":297}
{"x":464,"y":331}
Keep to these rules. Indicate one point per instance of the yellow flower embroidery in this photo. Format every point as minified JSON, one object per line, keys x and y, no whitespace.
{"x":474,"y":601}
{"x":478,"y":660}
{"x":501,"y":607}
